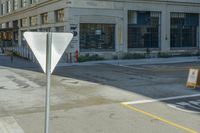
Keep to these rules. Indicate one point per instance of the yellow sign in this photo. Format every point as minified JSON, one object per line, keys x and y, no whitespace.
{"x":193,"y":78}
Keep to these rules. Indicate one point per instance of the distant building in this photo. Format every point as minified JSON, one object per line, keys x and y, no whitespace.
{"x":107,"y":27}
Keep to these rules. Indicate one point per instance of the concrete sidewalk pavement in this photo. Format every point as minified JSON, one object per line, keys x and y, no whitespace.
{"x":149,"y":61}
{"x":22,"y":63}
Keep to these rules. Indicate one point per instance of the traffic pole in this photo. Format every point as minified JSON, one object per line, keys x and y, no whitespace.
{"x":48,"y":80}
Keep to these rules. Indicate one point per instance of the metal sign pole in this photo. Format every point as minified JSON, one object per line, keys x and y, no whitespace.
{"x":48,"y":80}
{"x":44,"y":56}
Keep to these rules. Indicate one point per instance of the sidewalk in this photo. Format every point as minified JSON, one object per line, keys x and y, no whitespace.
{"x":149,"y":61}
{"x":21,"y":63}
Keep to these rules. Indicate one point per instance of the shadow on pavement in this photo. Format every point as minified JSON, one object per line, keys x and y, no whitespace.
{"x":19,"y":63}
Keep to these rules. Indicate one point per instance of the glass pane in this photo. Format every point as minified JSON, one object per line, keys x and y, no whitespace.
{"x":145,"y":33}
{"x":184,"y":29}
{"x":97,"y":37}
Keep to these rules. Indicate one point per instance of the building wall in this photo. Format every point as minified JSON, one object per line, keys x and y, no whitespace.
{"x":119,"y":11}
{"x":105,"y":12}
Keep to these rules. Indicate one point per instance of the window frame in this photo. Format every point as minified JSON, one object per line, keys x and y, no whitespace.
{"x":44,"y":15}
{"x":24,"y":22}
{"x":33,"y":21}
{"x":103,"y":37}
{"x":146,"y":30}
{"x":60,"y":15}
{"x":182,"y":30}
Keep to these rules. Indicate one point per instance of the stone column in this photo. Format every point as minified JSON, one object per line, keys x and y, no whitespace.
{"x":51,"y":20}
{"x":5,"y":8}
{"x":125,"y":32}
{"x":165,"y":30}
{"x":198,"y":37}
{"x":119,"y":38}
{"x":1,"y":9}
{"x":66,"y":20}
{"x":39,"y":21}
{"x":12,"y":6}
{"x":19,"y":34}
{"x":19,"y":4}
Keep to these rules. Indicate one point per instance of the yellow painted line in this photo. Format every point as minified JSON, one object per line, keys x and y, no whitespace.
{"x":160,"y":119}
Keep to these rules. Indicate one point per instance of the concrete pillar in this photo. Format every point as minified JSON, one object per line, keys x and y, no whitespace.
{"x":12,"y":6}
{"x":19,"y":3}
{"x":66,"y":20}
{"x":5,"y":8}
{"x":39,"y":20}
{"x":51,"y":20}
{"x":19,"y":34}
{"x":51,"y":17}
{"x":19,"y":38}
{"x":165,"y":30}
{"x":74,"y":27}
{"x":119,"y":47}
{"x":125,"y":33}
{"x":0,"y":9}
{"x":198,"y":35}
{"x":28,"y":23}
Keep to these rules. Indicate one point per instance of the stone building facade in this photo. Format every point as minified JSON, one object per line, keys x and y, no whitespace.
{"x":107,"y":27}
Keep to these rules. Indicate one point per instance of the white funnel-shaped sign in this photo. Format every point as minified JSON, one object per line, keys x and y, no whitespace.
{"x":38,"y":43}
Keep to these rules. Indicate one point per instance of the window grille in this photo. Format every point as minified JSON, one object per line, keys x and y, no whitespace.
{"x":97,"y":37}
{"x":143,"y":29}
{"x":184,"y":29}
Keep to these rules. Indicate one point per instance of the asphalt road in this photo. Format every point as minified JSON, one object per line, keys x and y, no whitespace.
{"x":99,"y":98}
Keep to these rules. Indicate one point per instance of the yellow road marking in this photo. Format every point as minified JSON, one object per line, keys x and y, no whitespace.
{"x":160,"y":119}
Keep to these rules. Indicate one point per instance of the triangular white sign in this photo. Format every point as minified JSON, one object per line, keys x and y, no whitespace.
{"x":38,"y":42}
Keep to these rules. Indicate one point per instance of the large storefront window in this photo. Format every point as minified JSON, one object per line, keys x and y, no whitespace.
{"x":97,"y":37}
{"x":143,"y":29}
{"x":184,"y":29}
